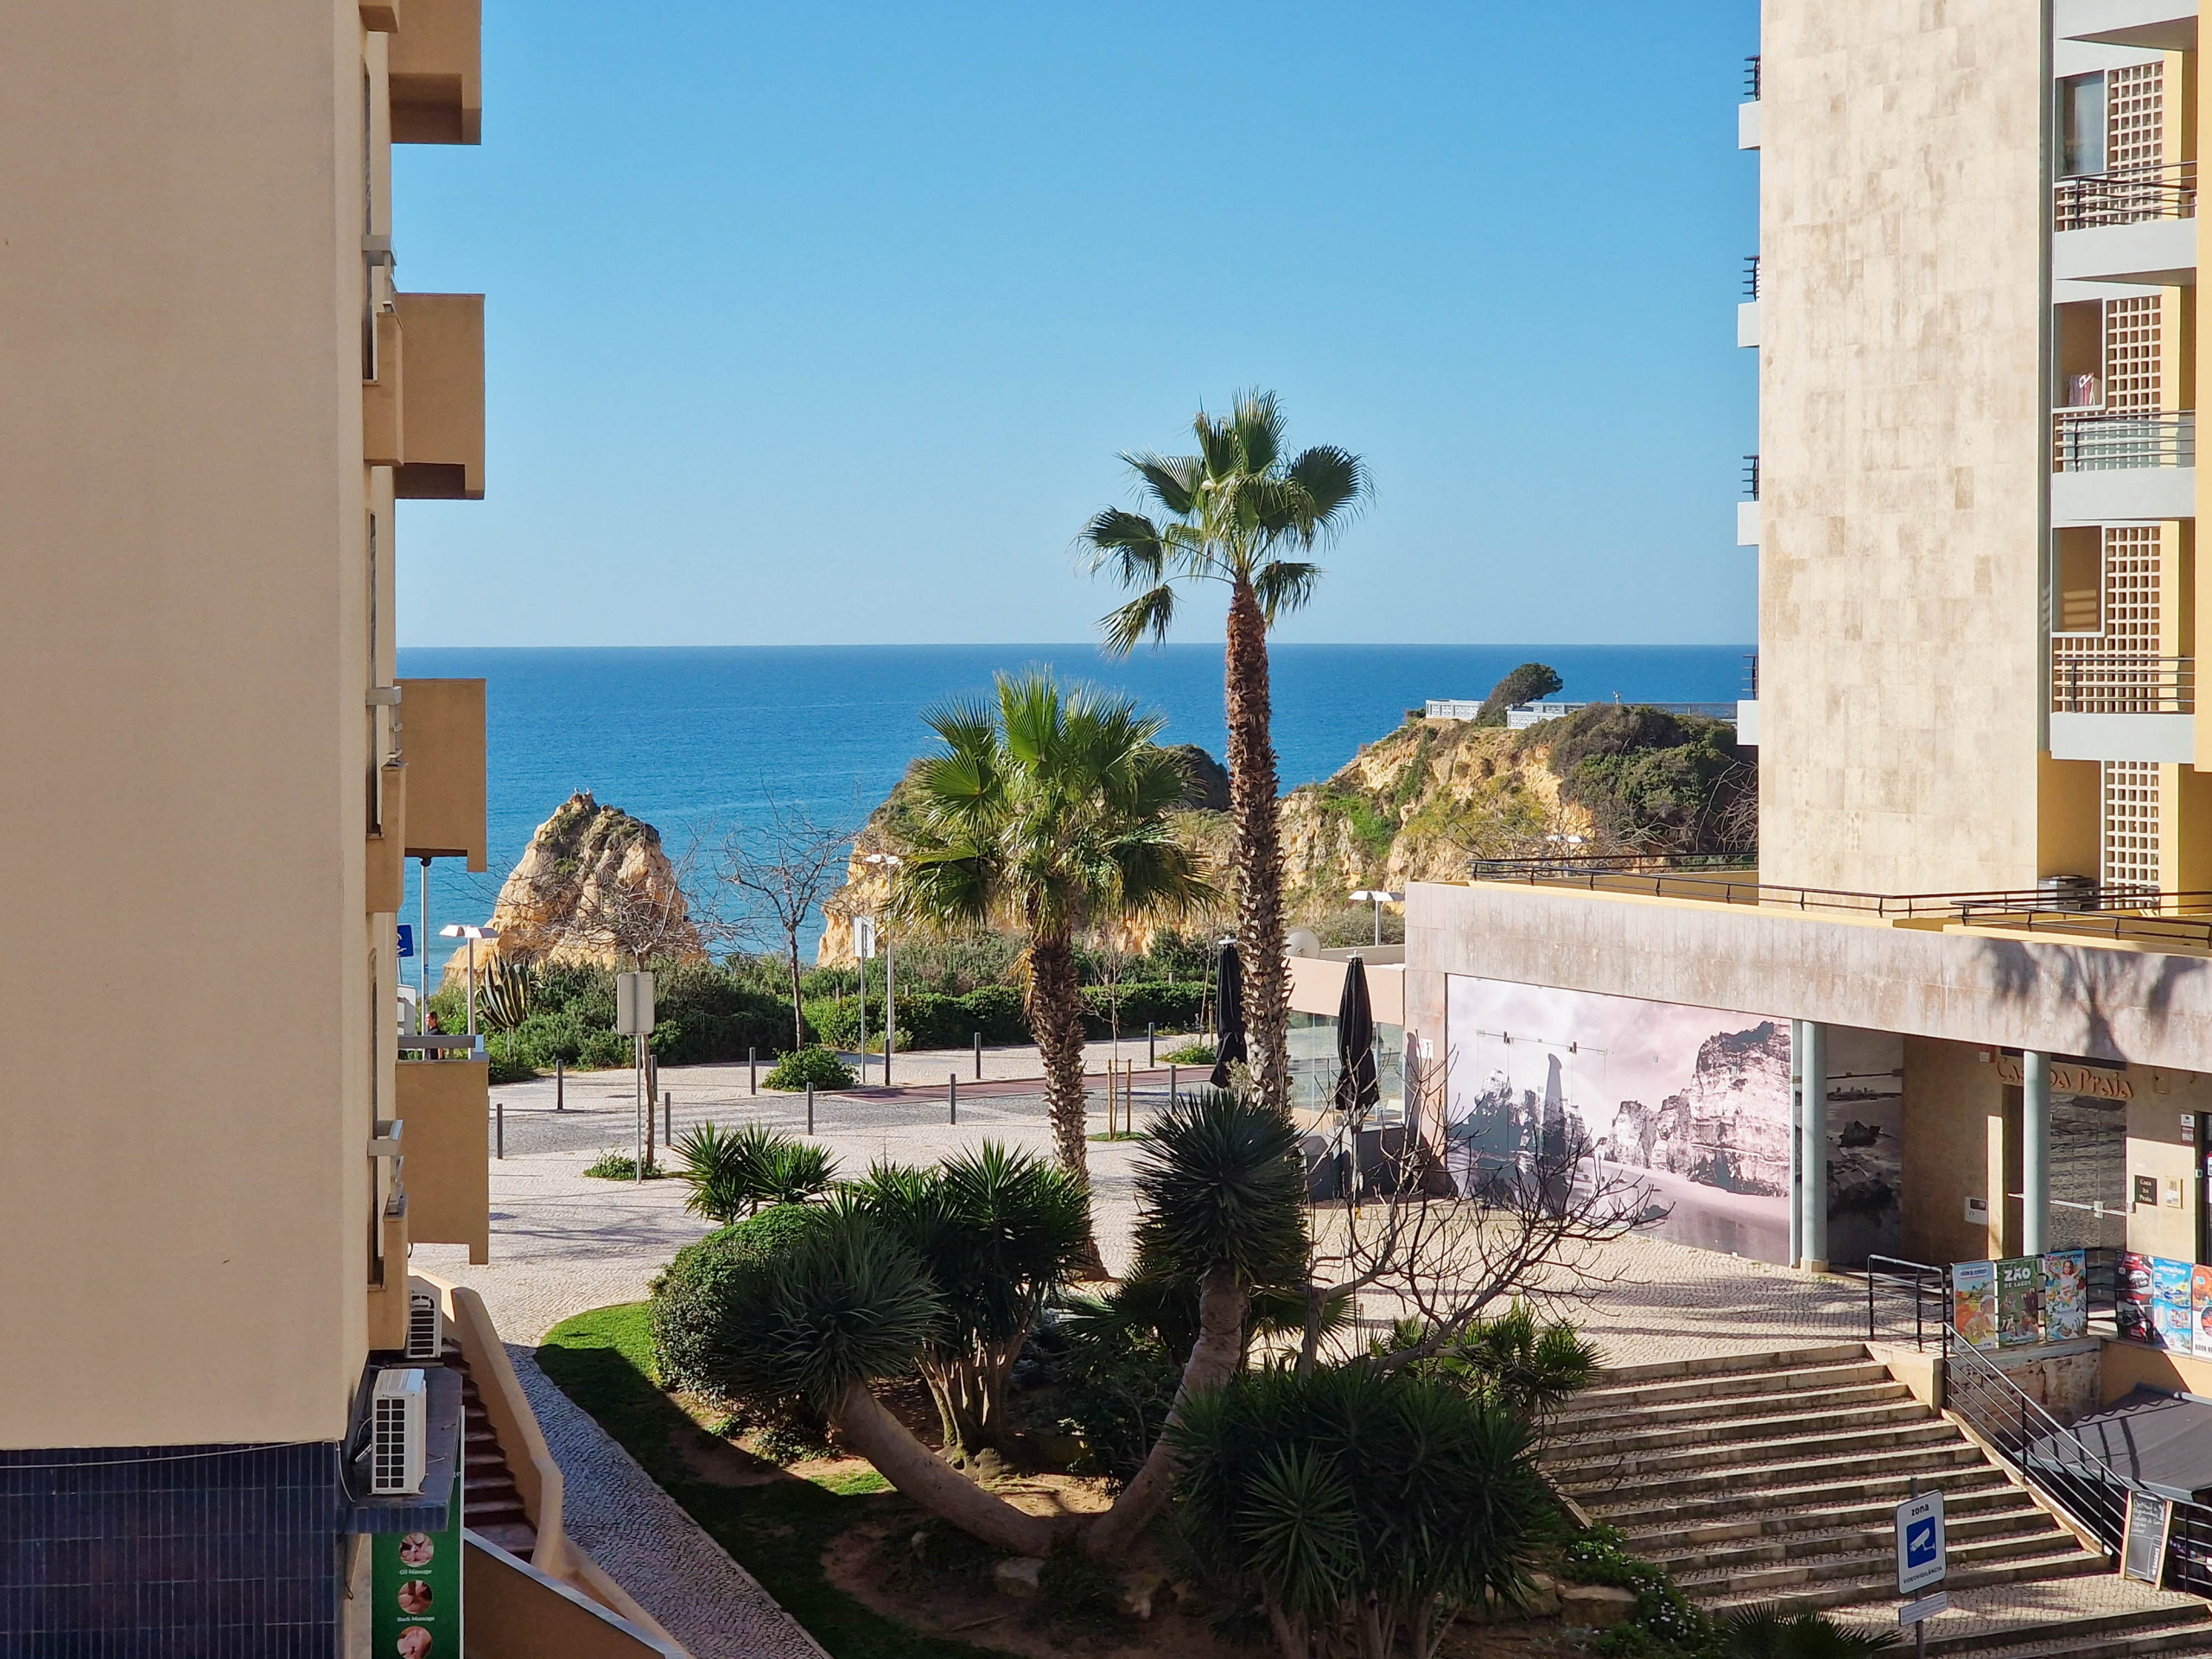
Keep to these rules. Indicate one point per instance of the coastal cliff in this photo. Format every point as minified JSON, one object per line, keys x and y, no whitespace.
{"x":593,"y":886}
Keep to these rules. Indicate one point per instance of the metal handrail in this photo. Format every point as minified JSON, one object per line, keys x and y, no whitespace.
{"x":1751,"y":676}
{"x":2092,"y":683}
{"x":1751,"y":276}
{"x":1751,"y":77}
{"x":1918,"y":1274}
{"x":1750,"y":478}
{"x":2079,"y":1482}
{"x":2109,"y":440}
{"x":2126,"y":195}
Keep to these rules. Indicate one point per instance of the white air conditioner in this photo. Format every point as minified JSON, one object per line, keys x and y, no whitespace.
{"x":426,"y":1322}
{"x":399,"y":1414}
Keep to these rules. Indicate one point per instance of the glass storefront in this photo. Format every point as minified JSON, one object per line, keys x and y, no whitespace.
{"x":1315,"y":1068}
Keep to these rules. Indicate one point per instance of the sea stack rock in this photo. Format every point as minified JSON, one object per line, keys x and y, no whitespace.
{"x":593,"y":886}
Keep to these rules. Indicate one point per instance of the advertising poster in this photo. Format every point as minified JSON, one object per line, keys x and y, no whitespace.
{"x":2200,"y":1302}
{"x":2020,"y":1300}
{"x":2131,"y":1301}
{"x":1973,"y":1302}
{"x":416,"y":1581}
{"x":2065,"y":1296}
{"x":2169,"y":1303}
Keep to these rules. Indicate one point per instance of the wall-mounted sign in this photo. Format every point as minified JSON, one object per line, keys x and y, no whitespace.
{"x":2066,"y":1079}
{"x":415,"y":1579}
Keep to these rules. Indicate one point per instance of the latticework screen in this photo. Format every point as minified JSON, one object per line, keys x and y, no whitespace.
{"x":2135,"y":117}
{"x":2133,"y":347}
{"x":2130,"y":826}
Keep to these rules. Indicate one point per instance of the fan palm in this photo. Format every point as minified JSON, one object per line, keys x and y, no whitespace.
{"x":1047,"y":813}
{"x":1242,"y":513}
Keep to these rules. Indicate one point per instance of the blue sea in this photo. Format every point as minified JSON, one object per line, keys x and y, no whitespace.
{"x":694,"y":740}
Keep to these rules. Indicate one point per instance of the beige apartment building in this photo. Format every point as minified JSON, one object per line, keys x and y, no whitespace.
{"x":215,"y":388}
{"x":1961,"y":1010}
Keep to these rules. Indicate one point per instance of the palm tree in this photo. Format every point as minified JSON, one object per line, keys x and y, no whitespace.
{"x":1047,"y":814}
{"x":1243,"y":513}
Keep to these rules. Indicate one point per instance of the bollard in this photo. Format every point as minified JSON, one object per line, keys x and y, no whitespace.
{"x":752,"y":1070}
{"x":560,"y":1085}
{"x":1151,"y":1043}
{"x":952,"y":1097}
{"x":499,"y":1128}
{"x":979,"y":1057}
{"x":667,"y":1117}
{"x":810,"y":1109}
{"x":1171,"y":1069}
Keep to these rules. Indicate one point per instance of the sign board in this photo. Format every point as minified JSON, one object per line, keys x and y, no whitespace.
{"x":864,"y":938}
{"x":2093,"y":1082}
{"x":2143,"y":1553}
{"x":633,"y":1005}
{"x":406,"y":938}
{"x":415,"y":1589}
{"x":1973,"y":1302}
{"x":1920,"y":1544}
{"x":1927,"y":1607}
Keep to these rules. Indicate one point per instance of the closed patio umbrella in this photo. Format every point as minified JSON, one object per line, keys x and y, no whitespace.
{"x":1229,"y":1015}
{"x":1358,"y":1087}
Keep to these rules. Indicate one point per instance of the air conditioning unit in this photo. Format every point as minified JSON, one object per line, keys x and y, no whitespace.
{"x":426,"y":1323}
{"x":399,"y":1412}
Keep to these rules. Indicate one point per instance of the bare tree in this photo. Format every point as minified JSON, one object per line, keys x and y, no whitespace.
{"x":780,"y":867}
{"x":646,"y":920}
{"x":1444,"y":1237}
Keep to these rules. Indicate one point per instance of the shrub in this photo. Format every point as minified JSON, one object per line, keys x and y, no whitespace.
{"x":818,"y":1066}
{"x":1527,"y":683}
{"x":1171,"y":1007}
{"x":693,"y":1325}
{"x":623,"y":1166}
{"x":1200,"y":1053}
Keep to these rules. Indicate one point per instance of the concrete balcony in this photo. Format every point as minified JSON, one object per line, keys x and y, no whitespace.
{"x":2117,"y":706}
{"x":2111,"y":467}
{"x":1747,"y":126}
{"x":437,"y":62}
{"x":442,"y":397}
{"x":1747,"y":524}
{"x":441,"y":735}
{"x":444,"y":1104}
{"x":1747,"y":323}
{"x":2154,"y":25}
{"x":1747,"y":722}
{"x":386,"y":886}
{"x":2136,"y":225}
{"x":383,"y":424}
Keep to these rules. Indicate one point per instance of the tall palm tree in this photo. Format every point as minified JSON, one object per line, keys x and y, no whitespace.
{"x":1244,"y":513}
{"x":1048,"y":814}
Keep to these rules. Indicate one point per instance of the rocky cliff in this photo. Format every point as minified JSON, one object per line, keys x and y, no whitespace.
{"x":1722,"y":1130}
{"x":593,"y":886}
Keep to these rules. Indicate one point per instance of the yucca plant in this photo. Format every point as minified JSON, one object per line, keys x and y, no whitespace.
{"x":1533,"y":1367}
{"x":504,"y":997}
{"x":1362,"y":1506}
{"x":1000,"y":1232}
{"x":1766,"y":1632}
{"x":734,"y":1172}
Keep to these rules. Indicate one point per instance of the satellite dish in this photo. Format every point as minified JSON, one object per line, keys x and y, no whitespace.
{"x":1303,"y":941}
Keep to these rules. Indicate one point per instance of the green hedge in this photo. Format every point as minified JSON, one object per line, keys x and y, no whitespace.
{"x":1172,"y":1007}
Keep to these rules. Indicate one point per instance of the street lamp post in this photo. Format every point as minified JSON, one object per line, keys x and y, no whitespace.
{"x":886,"y":862}
{"x":470,"y":931}
{"x":1378,"y":897}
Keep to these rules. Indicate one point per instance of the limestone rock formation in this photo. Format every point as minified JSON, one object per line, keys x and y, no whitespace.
{"x":593,"y":886}
{"x":1720,"y":1130}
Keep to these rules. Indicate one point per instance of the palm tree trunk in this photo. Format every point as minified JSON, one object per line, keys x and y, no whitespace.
{"x":1054,"y":1004}
{"x":862,"y":1425}
{"x":1214,"y":1358}
{"x":1252,"y":811}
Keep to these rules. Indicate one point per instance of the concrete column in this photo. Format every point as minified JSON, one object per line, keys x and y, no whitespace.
{"x":2035,"y":1154}
{"x":1796,"y":1141}
{"x":1812,"y":1091}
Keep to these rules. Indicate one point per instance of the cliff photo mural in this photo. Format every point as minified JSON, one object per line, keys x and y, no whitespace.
{"x":1695,"y":1101}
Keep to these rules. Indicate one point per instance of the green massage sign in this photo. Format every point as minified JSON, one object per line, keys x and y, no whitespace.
{"x":416,"y":1581}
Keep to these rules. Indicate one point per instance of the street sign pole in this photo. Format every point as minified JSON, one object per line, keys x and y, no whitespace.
{"x":1921,"y":1563}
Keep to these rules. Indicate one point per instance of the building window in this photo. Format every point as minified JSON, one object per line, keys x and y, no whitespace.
{"x":2081,"y":125}
{"x":1314,"y":1068}
{"x":2130,"y":826}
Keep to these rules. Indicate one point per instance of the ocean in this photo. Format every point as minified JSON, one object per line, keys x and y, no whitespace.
{"x":694,"y":740}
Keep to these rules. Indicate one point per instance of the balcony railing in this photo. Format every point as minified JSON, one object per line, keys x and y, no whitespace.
{"x":2126,"y":196}
{"x":1751,"y":676}
{"x":2093,"y":441}
{"x":1751,"y":79}
{"x":1751,"y":276}
{"x":1750,"y":478}
{"x":2120,"y":684}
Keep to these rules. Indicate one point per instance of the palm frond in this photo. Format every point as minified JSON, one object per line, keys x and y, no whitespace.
{"x":1128,"y":544}
{"x":1149,"y":615}
{"x":1171,"y":480}
{"x":1334,"y":482}
{"x":1283,"y":586}
{"x":1258,"y":423}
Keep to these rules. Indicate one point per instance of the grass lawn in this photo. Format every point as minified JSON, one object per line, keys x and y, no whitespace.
{"x":603,"y":1361}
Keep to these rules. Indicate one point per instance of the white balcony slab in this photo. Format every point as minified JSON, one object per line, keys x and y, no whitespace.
{"x":1747,"y":722}
{"x":2170,"y":738}
{"x":1747,"y":126}
{"x":2159,"y":25}
{"x":1747,"y":524}
{"x":1747,"y":323}
{"x":2123,"y":497}
{"x":2159,"y":252}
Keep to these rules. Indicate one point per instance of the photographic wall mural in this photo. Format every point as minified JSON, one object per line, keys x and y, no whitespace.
{"x":1694,"y":1103}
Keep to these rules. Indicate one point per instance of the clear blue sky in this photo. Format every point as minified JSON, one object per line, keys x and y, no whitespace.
{"x":825,"y":323}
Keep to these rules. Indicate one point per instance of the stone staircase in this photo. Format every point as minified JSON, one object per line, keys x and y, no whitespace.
{"x":1773,"y":1478}
{"x":490,"y":1504}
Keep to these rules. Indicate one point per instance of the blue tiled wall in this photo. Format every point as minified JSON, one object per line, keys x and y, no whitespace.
{"x":179,"y":1552}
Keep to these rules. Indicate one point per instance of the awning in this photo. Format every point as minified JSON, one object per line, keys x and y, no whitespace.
{"x":2160,"y":1443}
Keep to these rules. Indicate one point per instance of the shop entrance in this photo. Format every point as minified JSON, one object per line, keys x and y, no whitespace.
{"x":2088,"y":1173}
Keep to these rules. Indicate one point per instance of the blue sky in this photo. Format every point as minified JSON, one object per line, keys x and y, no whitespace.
{"x":825,"y":323}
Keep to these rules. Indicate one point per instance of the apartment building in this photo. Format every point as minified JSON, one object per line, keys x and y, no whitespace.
{"x":215,"y":388}
{"x":1961,"y":1010}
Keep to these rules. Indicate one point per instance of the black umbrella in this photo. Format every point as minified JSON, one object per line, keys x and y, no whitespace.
{"x":1359,"y":1088}
{"x":1228,"y":1014}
